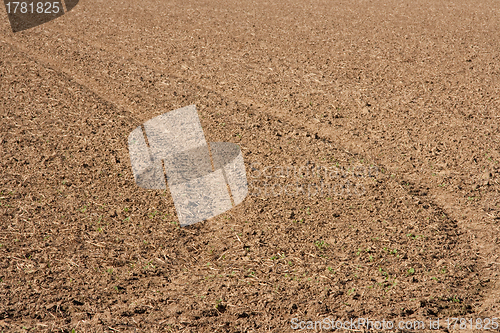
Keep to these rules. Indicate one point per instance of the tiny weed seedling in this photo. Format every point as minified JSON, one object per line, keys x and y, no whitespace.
{"x":320,"y":245}
{"x":219,"y":306}
{"x":149,"y":264}
{"x":412,"y":236}
{"x":411,"y":271}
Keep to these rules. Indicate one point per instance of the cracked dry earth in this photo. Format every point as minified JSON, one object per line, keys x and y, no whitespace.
{"x":399,"y":100}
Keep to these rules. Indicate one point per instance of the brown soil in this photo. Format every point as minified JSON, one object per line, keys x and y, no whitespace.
{"x":399,"y":98}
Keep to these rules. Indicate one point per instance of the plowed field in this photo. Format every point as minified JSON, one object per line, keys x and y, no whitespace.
{"x":399,"y":101}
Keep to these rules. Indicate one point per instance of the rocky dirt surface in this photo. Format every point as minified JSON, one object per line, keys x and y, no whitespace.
{"x":370,"y":133}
